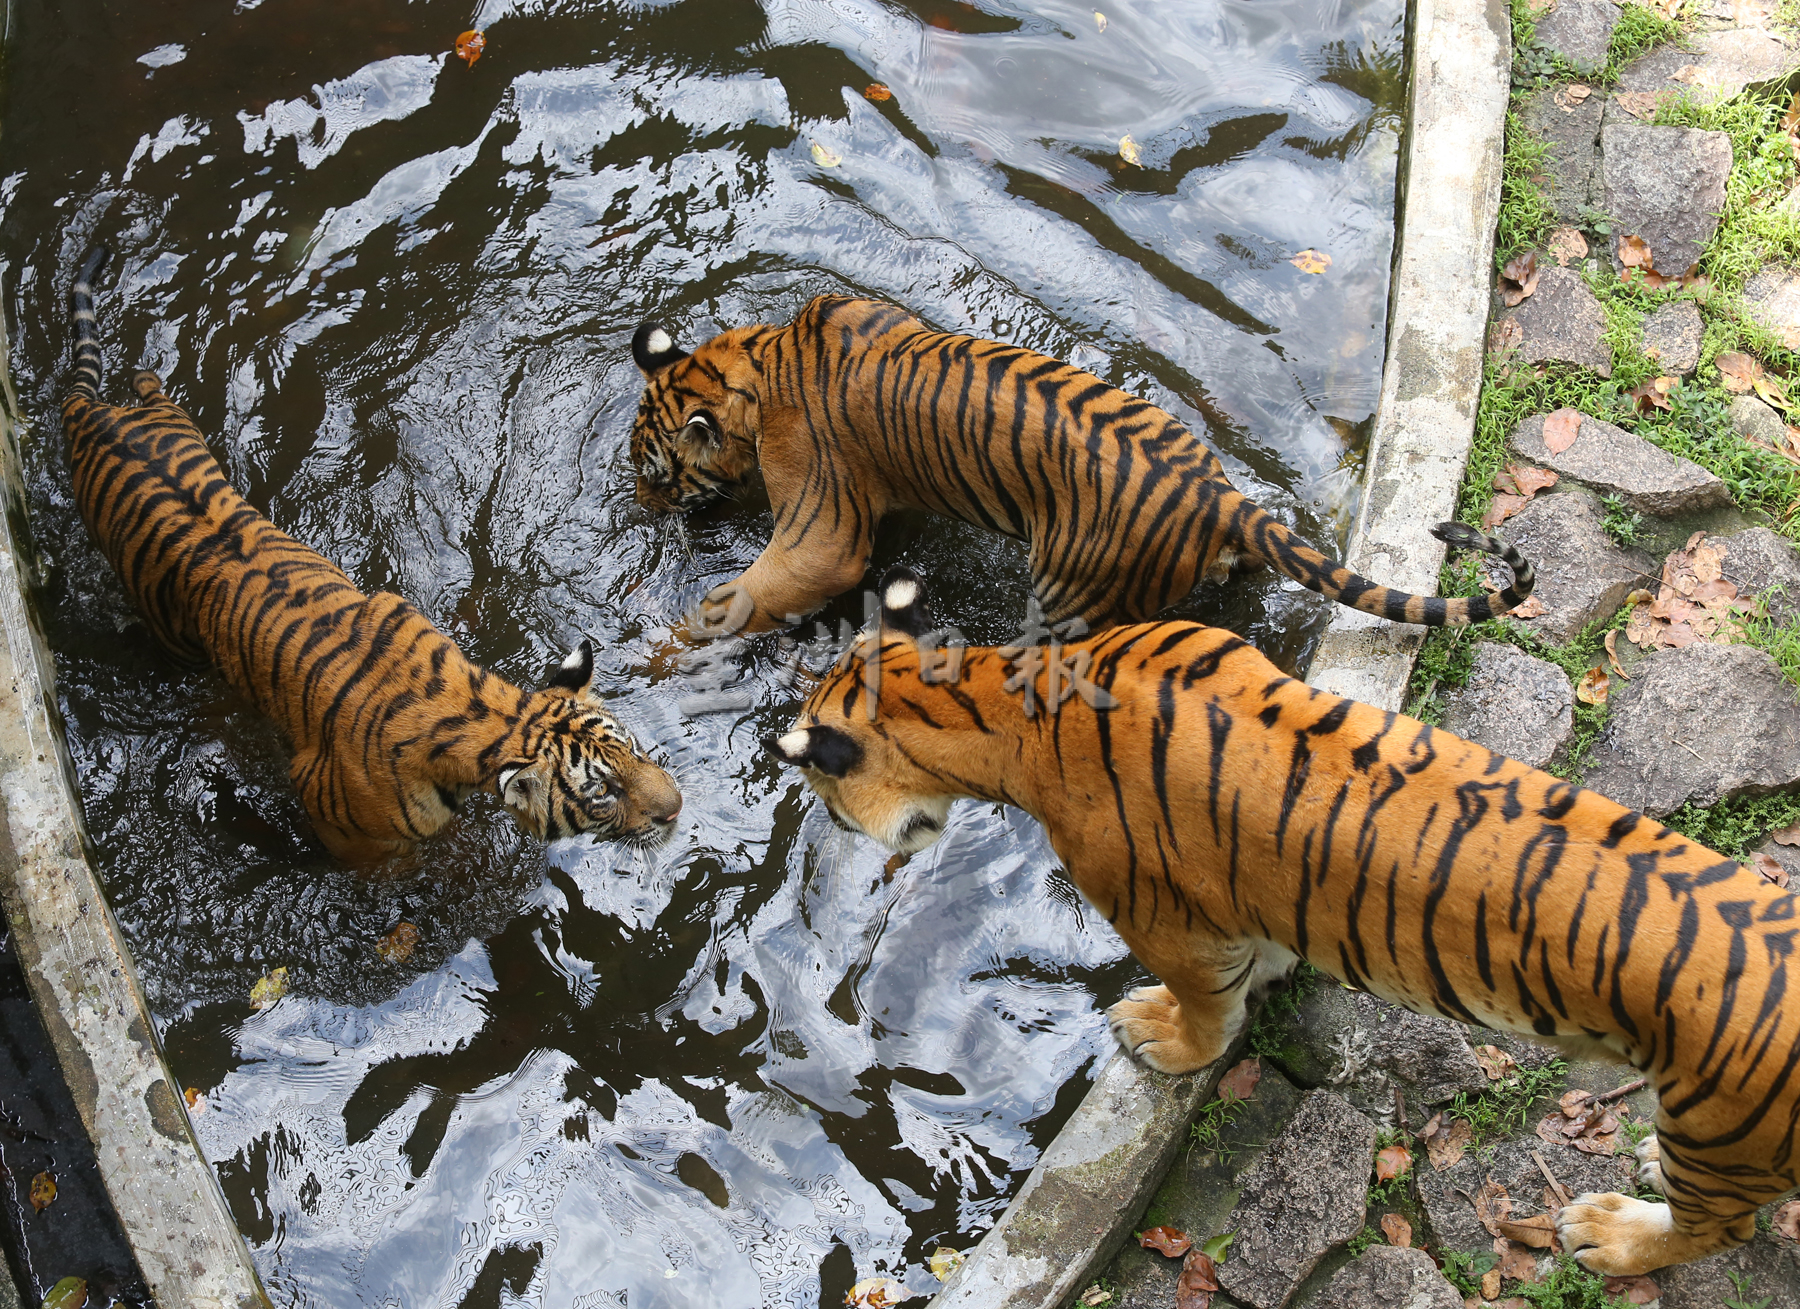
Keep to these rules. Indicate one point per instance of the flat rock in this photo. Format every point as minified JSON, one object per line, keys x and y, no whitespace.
{"x":1387,"y":1277}
{"x":1701,"y":724}
{"x":1515,"y":705}
{"x":1580,"y":31}
{"x":1582,"y":574}
{"x":1305,"y":1195}
{"x":1672,"y":337}
{"x":1715,"y":65}
{"x":1773,"y":298}
{"x":1768,"y":1266}
{"x":1613,"y":461}
{"x":1571,"y":180}
{"x":1562,"y":321}
{"x":1787,"y":856}
{"x":1666,"y":185}
{"x":1752,"y":418}
{"x":1362,"y":1047}
{"x":1445,"y":1192}
{"x":1760,"y":561}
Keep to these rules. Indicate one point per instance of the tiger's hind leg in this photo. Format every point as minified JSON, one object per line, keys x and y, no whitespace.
{"x":1192,"y":1018}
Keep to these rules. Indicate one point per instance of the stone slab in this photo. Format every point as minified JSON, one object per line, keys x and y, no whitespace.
{"x":1772,"y":296}
{"x":1307,"y":1194}
{"x":1666,"y":185}
{"x":1387,"y":1277}
{"x":1769,"y":1266}
{"x":1615,"y":462}
{"x":1763,"y":564}
{"x":1700,"y":724}
{"x":1561,"y":323}
{"x":1571,"y":180}
{"x":1445,"y":1192}
{"x":1672,"y":337}
{"x":1751,"y":417}
{"x":1514,"y":704}
{"x":1710,"y":66}
{"x":1582,"y":575}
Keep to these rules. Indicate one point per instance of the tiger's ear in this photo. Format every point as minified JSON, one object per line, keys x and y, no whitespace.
{"x":904,"y":604}
{"x":576,"y":672}
{"x":827,"y":749}
{"x":655,"y":349}
{"x":515,"y":785}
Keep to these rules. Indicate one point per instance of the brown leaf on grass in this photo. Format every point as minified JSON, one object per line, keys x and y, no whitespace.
{"x":1654,"y":394}
{"x":1490,"y":1284}
{"x":1567,"y":243}
{"x":1634,"y":252}
{"x":469,"y":47}
{"x":1593,"y":686}
{"x":1531,"y":480}
{"x":1492,"y":1203}
{"x":1166,"y":1240}
{"x":1504,"y":335}
{"x":1636,"y":1290}
{"x":1519,"y":278}
{"x":1738,"y":371}
{"x":1391,"y":1162}
{"x":397,"y":946}
{"x":1531,"y":607}
{"x":1560,"y":430}
{"x":1612,"y":655}
{"x":1397,"y":1230}
{"x":1786,"y":1221}
{"x":1537,"y":1231}
{"x":877,"y":91}
{"x":1502,"y":508}
{"x":1770,"y":868}
{"x":1771,"y":389}
{"x":1495,"y":1062}
{"x":43,"y":1191}
{"x":1447,"y":1142}
{"x":1791,"y":119}
{"x":1787,"y":835}
{"x":1241,"y":1080}
{"x":1517,"y":1263}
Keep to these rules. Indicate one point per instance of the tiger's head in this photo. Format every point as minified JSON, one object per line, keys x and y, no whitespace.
{"x":694,"y":439}
{"x":572,"y":768}
{"x":859,"y":763}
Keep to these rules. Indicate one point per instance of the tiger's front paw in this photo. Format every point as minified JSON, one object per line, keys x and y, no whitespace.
{"x":1649,"y":1169}
{"x":1616,"y":1235}
{"x":1148,"y":1023}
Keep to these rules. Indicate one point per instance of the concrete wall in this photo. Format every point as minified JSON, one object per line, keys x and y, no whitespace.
{"x":1091,"y":1186}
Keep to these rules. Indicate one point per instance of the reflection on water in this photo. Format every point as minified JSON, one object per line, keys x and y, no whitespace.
{"x":758,"y":1064}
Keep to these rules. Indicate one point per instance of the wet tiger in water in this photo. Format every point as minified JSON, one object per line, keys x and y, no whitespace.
{"x":1228,"y":820}
{"x":390,"y":726}
{"x":856,"y":409}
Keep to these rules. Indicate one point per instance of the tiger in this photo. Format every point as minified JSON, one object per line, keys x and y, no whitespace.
{"x":391,"y":728}
{"x":1229,"y":821}
{"x":856,"y":409}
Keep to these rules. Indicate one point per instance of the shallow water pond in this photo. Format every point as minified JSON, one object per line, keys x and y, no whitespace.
{"x":398,"y":292}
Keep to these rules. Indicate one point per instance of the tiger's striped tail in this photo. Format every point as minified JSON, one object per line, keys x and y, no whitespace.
{"x":1460,"y":536}
{"x":87,"y":336}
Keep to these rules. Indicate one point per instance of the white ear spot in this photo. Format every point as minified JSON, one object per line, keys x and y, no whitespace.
{"x":901,"y":594}
{"x":794,"y":744}
{"x":573,"y":658}
{"x":659,"y":342}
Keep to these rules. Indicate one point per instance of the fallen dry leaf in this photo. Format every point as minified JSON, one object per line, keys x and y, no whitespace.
{"x":876,"y":1293}
{"x":1490,"y":1284}
{"x":1447,"y":1142}
{"x":877,"y":91}
{"x":469,"y":47}
{"x":1771,"y":389}
{"x":1567,"y":243}
{"x":1519,"y":279}
{"x":1654,"y":394}
{"x":270,"y":989}
{"x":1530,"y":607}
{"x":1737,"y":371}
{"x":1786,"y":1221}
{"x":1128,"y":150}
{"x":1166,"y":1240}
{"x":43,"y":1191}
{"x":1504,"y":335}
{"x":1495,"y":1062}
{"x":196,"y":1102}
{"x":1636,"y":1290}
{"x":1593,"y":687}
{"x":1517,"y":1263}
{"x":69,"y":1293}
{"x":1095,"y":1296}
{"x":1560,"y":430}
{"x":1531,"y":480}
{"x":1575,"y":1103}
{"x":1570,"y":98}
{"x":1391,"y":1162}
{"x":944,"y":1262}
{"x":1502,"y":508}
{"x":1240,"y":1080}
{"x":1397,"y":1230}
{"x":1639,"y":104}
{"x":397,"y":946}
{"x":1311,"y":261}
{"x":1492,"y":1203}
{"x":1612,"y":654}
{"x":1634,"y":252}
{"x":1791,"y":119}
{"x":1199,"y":1279}
{"x":1770,"y":868}
{"x":1537,"y":1231}
{"x":1787,"y":835}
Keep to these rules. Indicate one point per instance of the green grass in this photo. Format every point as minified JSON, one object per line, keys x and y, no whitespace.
{"x":1207,"y":1131}
{"x":1363,"y":1240}
{"x":1534,"y":65}
{"x":1569,"y":1286}
{"x":1507,"y":1106}
{"x":1737,"y":826}
{"x":1280,"y":1010}
{"x":1621,"y":523}
{"x":1526,"y":215}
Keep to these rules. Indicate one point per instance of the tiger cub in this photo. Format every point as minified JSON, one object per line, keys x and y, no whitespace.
{"x":1229,"y":820}
{"x":856,"y":408}
{"x":391,"y":727}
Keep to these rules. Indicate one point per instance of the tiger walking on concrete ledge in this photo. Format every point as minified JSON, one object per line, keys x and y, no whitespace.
{"x":391,"y":727}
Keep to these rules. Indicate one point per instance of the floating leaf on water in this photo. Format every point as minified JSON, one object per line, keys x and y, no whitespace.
{"x":824,"y":158}
{"x":1397,"y":1230}
{"x":877,"y":91}
{"x":43,"y":1191}
{"x":1128,"y":150}
{"x":1311,"y":261}
{"x":1099,"y":20}
{"x":270,"y":989}
{"x":196,"y":1102}
{"x":469,"y":46}
{"x":70,"y":1293}
{"x":397,"y":946}
{"x":876,"y":1293}
{"x":945,"y":1262}
{"x":1166,"y":1240}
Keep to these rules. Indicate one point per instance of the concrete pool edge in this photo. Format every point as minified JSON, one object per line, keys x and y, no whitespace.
{"x":1077,"y":1205}
{"x":82,"y":977}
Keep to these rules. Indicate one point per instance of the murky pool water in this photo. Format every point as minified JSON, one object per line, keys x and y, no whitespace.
{"x":399,"y":292}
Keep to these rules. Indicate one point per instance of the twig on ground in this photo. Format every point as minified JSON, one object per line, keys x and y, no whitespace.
{"x":1627,"y":1089}
{"x":1556,"y":1187}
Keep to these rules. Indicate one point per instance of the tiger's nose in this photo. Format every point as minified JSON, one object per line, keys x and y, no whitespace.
{"x":668,"y":813}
